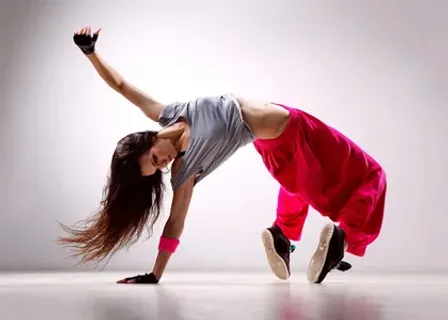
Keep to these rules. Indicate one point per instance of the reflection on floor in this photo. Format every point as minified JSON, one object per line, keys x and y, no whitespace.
{"x":222,"y":296}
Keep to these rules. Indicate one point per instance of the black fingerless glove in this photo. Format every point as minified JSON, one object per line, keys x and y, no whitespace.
{"x":85,"y":42}
{"x":145,"y":278}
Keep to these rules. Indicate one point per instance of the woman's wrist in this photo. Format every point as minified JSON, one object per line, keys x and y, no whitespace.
{"x":92,"y":55}
{"x":168,"y":244}
{"x":161,"y":263}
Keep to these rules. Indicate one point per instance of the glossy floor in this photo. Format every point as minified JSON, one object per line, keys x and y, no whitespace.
{"x":222,"y":296}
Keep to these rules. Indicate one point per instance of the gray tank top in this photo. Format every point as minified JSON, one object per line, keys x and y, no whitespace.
{"x":217,"y":131}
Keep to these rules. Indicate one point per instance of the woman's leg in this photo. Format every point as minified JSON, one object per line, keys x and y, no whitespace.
{"x":362,"y":216}
{"x":360,"y":224}
{"x":279,"y":157}
{"x":291,"y":215}
{"x":292,"y":211}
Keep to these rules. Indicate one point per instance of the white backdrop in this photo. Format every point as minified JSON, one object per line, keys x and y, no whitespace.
{"x":377,"y":71}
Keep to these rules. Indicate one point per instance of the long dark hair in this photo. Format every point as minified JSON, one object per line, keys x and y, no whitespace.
{"x":130,"y":202}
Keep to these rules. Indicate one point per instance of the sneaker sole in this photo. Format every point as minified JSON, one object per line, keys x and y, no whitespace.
{"x":277,"y":264}
{"x":317,"y":261}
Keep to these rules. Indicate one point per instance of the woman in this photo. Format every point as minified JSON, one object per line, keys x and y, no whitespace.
{"x":315,"y":165}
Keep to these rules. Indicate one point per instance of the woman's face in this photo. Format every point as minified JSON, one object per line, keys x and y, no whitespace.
{"x":158,"y":157}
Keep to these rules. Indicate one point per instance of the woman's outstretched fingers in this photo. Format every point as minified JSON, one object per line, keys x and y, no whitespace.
{"x":97,"y":32}
{"x":125,"y":281}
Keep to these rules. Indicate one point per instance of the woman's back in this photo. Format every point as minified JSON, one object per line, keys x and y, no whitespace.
{"x":217,"y":131}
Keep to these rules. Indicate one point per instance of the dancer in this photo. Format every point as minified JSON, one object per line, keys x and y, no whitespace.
{"x":315,"y":165}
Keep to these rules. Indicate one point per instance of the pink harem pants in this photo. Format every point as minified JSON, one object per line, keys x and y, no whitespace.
{"x":318,"y":166}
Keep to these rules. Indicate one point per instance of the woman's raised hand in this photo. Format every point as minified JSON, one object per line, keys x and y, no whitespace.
{"x":85,"y":40}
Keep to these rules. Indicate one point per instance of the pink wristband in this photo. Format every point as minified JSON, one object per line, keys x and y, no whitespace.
{"x":168,"y":244}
